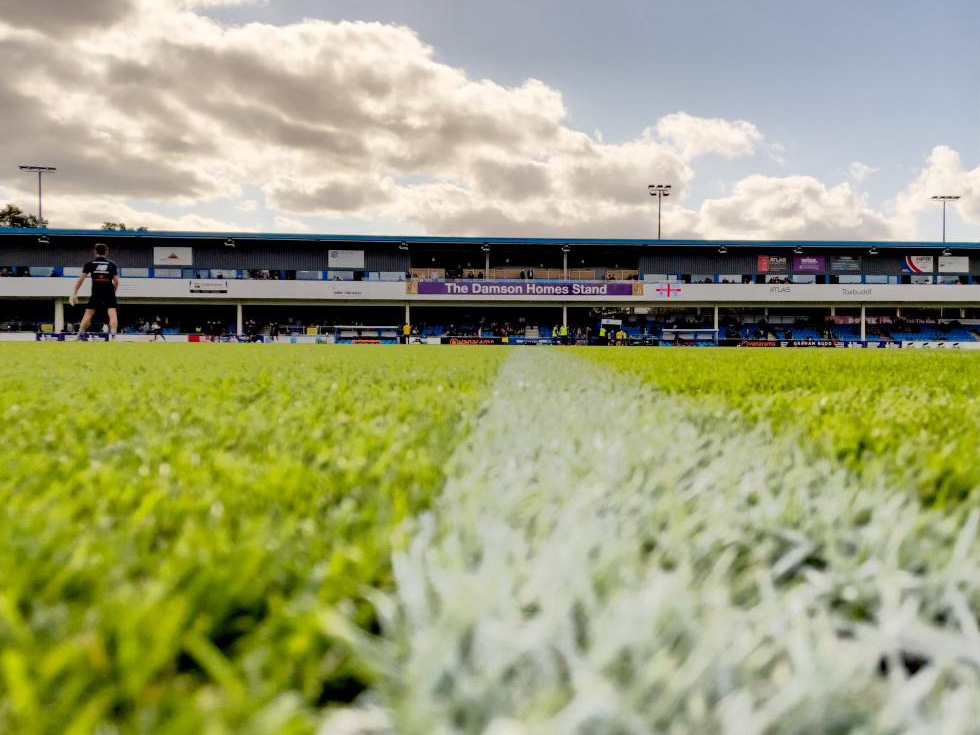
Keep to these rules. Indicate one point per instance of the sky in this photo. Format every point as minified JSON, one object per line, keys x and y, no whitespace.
{"x":770,"y":119}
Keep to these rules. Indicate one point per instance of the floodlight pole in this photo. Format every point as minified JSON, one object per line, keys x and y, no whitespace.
{"x":40,"y":171}
{"x":660,"y":191}
{"x":944,"y":199}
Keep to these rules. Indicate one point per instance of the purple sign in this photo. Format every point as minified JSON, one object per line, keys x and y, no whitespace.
{"x":808,"y":264}
{"x":529,"y":288}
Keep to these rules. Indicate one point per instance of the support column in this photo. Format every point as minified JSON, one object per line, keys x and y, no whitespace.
{"x":564,"y":265}
{"x":59,"y":316}
{"x":716,"y":320}
{"x":898,"y":312}
{"x":239,"y":319}
{"x":486,"y":270}
{"x":408,"y":312}
{"x":833,"y":311}
{"x":864,"y":331}
{"x":564,"y":315}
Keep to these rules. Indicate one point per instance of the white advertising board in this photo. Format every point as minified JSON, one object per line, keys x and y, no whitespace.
{"x":207,"y":286}
{"x":173,"y":256}
{"x":941,"y":345}
{"x":345,"y":259}
{"x":954,"y":264}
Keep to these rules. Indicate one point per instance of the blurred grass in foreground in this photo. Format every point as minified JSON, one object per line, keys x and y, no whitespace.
{"x":175,"y":521}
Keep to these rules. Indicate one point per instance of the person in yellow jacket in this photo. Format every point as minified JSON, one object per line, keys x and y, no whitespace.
{"x":621,"y":337}
{"x":563,"y":333}
{"x":602,"y":334}
{"x":406,"y":333}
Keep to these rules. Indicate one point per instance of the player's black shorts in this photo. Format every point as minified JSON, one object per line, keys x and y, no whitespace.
{"x":102,"y":301}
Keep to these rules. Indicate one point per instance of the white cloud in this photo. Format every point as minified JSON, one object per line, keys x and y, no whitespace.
{"x":791,"y":207}
{"x":150,"y":100}
{"x":860,"y":171}
{"x":777,"y":153}
{"x":92,"y":211}
{"x":696,"y":136}
{"x":944,"y":174}
{"x":288,"y":224}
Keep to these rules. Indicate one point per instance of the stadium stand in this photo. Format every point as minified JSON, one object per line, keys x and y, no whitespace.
{"x":305,"y":287}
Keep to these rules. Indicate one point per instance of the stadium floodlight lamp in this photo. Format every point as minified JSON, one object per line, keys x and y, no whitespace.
{"x":722,"y":250}
{"x":872,"y":250}
{"x":945,"y":198}
{"x":565,"y":248}
{"x":485,"y":247}
{"x":403,"y":246}
{"x":43,"y":240}
{"x":660,"y":191}
{"x":798,"y":250}
{"x":229,"y":243}
{"x":947,"y":252}
{"x":40,"y":171}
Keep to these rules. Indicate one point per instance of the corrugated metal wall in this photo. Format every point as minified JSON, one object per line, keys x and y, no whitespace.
{"x":680,"y":263}
{"x":21,"y":250}
{"x":246,"y":254}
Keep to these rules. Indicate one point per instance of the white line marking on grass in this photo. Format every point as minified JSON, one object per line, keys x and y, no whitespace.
{"x":606,"y":559}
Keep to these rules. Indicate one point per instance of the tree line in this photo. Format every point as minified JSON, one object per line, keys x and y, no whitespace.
{"x":13,"y":216}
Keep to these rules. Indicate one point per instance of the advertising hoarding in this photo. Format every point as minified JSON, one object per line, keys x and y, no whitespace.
{"x":773,"y":264}
{"x":173,"y":256}
{"x":345,"y":259}
{"x":954,"y":264}
{"x":525,"y":288}
{"x":918,"y":264}
{"x":808,"y":264}
{"x":845,"y":264}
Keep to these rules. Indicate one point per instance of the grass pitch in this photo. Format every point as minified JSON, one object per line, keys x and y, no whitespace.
{"x":199,"y":539}
{"x":175,"y":521}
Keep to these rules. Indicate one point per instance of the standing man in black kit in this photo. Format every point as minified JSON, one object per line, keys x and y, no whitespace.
{"x":105,"y":281}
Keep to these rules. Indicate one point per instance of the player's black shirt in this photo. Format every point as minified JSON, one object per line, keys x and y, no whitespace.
{"x":102,"y":271}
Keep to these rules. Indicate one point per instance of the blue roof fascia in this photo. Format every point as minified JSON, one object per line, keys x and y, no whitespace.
{"x":426,"y":240}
